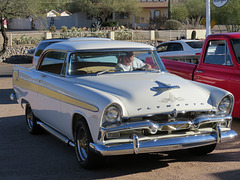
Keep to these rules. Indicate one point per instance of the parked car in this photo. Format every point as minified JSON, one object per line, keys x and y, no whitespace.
{"x":79,"y":93}
{"x":180,"y":50}
{"x":43,"y":44}
{"x":30,"y":52}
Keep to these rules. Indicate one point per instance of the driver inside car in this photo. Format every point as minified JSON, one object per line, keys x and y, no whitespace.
{"x":130,"y":63}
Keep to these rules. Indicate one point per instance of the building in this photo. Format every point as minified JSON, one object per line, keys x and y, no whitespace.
{"x":150,"y":9}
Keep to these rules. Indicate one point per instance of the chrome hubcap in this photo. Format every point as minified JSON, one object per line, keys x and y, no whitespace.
{"x":30,"y":120}
{"x":82,"y":144}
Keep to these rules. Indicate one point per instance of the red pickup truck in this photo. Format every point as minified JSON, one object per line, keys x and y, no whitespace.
{"x":219,"y":65}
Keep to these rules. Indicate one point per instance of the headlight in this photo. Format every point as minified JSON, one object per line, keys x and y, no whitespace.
{"x":226,"y":104}
{"x":112,"y":114}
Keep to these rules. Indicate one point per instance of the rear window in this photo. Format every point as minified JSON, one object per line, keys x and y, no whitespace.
{"x":195,"y":45}
{"x":42,"y":46}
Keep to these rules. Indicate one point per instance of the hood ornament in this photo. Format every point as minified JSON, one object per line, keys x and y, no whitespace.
{"x":172,"y":99}
{"x":163,"y":87}
{"x":174,"y":113}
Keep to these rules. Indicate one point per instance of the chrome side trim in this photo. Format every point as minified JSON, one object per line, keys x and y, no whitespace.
{"x":162,"y":145}
{"x":56,"y":133}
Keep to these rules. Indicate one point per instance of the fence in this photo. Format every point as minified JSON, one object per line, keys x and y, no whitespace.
{"x":130,"y":35}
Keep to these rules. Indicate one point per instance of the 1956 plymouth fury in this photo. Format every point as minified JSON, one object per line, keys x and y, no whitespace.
{"x":98,"y":97}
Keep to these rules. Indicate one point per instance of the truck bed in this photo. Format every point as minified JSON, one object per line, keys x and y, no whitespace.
{"x":187,"y":69}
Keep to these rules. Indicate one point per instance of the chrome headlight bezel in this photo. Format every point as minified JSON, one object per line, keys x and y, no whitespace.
{"x":225,"y":106}
{"x":112,"y":115}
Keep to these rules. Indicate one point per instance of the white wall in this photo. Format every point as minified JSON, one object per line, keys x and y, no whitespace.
{"x":76,"y":20}
{"x":19,"y":23}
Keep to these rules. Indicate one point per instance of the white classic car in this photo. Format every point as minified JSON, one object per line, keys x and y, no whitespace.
{"x":98,"y":97}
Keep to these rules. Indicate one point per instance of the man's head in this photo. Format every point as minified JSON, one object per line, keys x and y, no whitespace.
{"x":128,"y":58}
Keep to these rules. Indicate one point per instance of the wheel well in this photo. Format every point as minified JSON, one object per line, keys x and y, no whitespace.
{"x":75,"y":120}
{"x":23,"y":101}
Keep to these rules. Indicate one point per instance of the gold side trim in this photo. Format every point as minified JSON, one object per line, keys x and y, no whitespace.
{"x":50,"y":93}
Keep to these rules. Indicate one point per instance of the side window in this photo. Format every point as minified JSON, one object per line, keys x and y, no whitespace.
{"x":53,"y":62}
{"x":162,"y":48}
{"x":175,"y":47}
{"x":218,"y":53}
{"x":170,"y":47}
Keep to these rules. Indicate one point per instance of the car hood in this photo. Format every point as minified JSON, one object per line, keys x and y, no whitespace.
{"x":149,"y":93}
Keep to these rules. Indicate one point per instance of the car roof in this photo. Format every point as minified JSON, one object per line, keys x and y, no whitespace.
{"x":229,"y":35}
{"x":183,"y":40}
{"x":94,"y":45}
{"x":76,"y":39}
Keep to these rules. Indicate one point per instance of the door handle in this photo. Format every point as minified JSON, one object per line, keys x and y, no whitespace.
{"x":199,"y":71}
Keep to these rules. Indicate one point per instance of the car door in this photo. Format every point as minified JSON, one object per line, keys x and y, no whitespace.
{"x":217,"y":69}
{"x":50,"y":86}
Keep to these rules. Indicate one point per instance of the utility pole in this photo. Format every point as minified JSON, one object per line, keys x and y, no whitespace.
{"x":208,"y":18}
{"x":169,"y":9}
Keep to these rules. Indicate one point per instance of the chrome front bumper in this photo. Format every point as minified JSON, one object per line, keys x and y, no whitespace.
{"x":163,"y":145}
{"x":193,"y":136}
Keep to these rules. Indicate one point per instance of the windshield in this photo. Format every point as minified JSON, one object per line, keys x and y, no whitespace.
{"x":236,"y":47}
{"x":81,"y":63}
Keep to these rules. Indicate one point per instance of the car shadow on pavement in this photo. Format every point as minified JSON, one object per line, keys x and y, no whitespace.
{"x":18,"y":59}
{"x":234,"y":174}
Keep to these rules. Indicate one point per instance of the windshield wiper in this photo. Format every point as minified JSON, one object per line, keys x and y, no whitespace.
{"x":102,"y":72}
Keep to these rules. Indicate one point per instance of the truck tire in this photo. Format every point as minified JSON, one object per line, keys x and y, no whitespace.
{"x":86,"y":158}
{"x":203,"y":150}
{"x":31,"y":121}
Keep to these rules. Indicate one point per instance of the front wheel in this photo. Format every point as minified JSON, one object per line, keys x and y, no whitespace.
{"x":203,"y":150}
{"x":31,"y":121}
{"x":85,"y":156}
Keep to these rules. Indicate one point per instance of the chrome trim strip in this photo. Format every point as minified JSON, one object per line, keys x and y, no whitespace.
{"x":163,"y":145}
{"x":56,"y":133}
{"x":170,"y":112}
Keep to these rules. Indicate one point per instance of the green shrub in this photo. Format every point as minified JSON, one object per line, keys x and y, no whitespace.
{"x":24,"y":39}
{"x":110,"y":24}
{"x":52,"y":29}
{"x":172,"y":24}
{"x":63,"y":29}
{"x":123,"y":35}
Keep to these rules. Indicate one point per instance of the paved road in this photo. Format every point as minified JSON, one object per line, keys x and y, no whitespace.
{"x":24,"y":156}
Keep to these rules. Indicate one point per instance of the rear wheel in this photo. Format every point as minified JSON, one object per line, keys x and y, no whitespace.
{"x":31,"y":121}
{"x":203,"y":150}
{"x":87,"y":158}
